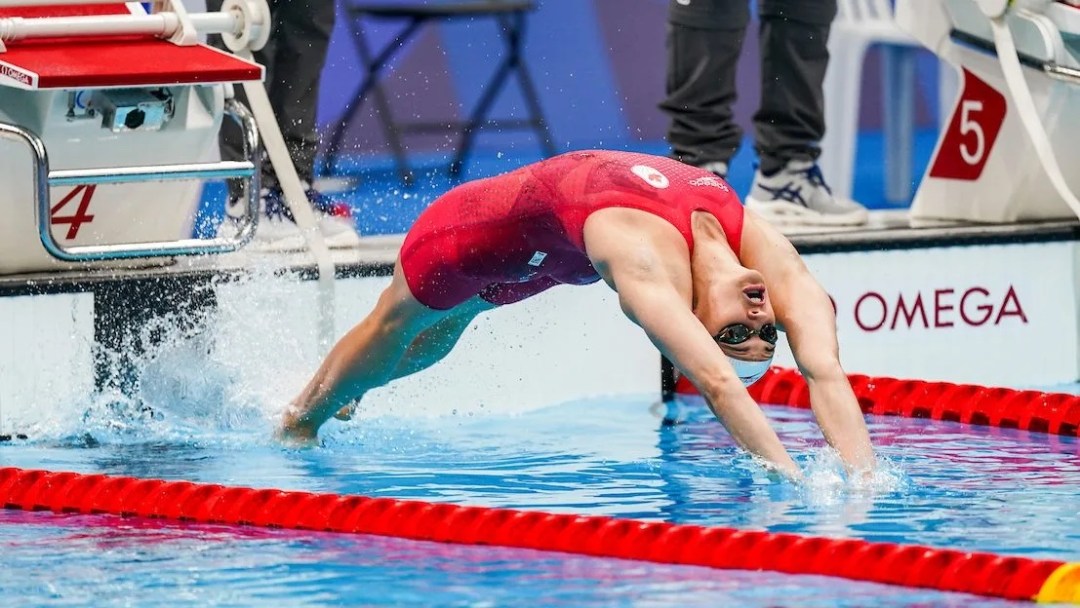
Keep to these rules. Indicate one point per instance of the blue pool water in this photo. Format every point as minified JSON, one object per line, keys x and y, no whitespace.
{"x":942,"y":484}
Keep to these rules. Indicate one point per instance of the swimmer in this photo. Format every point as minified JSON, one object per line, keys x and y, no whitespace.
{"x":710,"y":283}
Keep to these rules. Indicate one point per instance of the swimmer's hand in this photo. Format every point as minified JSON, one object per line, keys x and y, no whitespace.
{"x":777,"y":472}
{"x":861,"y":476}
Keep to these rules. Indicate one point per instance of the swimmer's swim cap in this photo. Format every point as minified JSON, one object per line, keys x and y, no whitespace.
{"x":750,"y":371}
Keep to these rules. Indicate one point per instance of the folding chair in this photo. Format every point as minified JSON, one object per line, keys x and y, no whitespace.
{"x":510,"y":16}
{"x":860,"y":24}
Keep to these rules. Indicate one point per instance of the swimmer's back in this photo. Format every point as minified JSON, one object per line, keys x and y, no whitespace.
{"x":585,"y":182}
{"x":526,"y":227}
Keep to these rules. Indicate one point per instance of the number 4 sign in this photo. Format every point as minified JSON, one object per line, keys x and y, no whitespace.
{"x":972,"y":132}
{"x":80,"y":217}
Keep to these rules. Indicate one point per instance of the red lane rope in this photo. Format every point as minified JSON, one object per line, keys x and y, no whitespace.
{"x":908,"y":565}
{"x":1036,"y":411}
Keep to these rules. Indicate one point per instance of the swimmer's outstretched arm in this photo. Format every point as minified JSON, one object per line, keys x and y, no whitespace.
{"x":806,"y":313}
{"x":679,"y":335}
{"x":649,"y":297}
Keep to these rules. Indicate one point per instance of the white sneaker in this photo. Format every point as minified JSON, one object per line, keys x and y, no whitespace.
{"x":717,"y":167}
{"x":277,"y":231}
{"x":797,"y":194}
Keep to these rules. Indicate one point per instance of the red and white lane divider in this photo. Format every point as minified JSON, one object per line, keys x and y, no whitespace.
{"x":1036,"y":411}
{"x":987,"y":574}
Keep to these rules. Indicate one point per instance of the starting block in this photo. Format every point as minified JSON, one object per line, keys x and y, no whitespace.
{"x":990,"y":164}
{"x":107,"y":116}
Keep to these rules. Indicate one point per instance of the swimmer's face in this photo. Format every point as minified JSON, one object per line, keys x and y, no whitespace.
{"x":743,"y":301}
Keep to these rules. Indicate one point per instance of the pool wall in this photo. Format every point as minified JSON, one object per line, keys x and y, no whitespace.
{"x":1000,"y":314}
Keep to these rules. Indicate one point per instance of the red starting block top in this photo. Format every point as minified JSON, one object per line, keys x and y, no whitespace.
{"x":131,"y":61}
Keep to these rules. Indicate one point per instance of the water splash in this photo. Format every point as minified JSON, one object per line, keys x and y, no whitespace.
{"x":224,"y":377}
{"x":827,"y":482}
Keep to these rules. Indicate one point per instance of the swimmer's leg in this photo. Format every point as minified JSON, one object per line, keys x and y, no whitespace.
{"x":432,"y":345}
{"x":437,"y":341}
{"x":365,"y":358}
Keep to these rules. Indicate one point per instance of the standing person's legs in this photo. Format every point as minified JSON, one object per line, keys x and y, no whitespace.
{"x":294,"y":58}
{"x":788,"y":186}
{"x":794,"y":56}
{"x":231,"y":139}
{"x":302,"y":30}
{"x":704,"y":40}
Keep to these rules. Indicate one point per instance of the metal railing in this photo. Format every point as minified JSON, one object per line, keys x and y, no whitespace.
{"x":247,"y":170}
{"x":1062,"y":72}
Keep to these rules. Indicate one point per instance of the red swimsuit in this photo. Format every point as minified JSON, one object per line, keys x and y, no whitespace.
{"x":509,"y":237}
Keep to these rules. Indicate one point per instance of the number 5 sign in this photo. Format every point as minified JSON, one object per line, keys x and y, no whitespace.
{"x":974,"y":128}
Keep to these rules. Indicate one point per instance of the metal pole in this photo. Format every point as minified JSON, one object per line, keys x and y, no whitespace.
{"x":1063,"y":73}
{"x":160,"y":24}
{"x":121,"y":175}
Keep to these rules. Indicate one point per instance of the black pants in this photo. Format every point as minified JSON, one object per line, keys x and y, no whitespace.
{"x":705,"y":38}
{"x":294,"y":58}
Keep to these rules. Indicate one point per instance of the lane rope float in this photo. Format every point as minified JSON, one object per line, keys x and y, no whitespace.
{"x":1029,"y":410}
{"x":985,"y":574}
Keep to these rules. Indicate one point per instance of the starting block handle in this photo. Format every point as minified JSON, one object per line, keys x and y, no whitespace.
{"x":244,"y":24}
{"x":248,"y":170}
{"x":120,"y":175}
{"x":162,"y":25}
{"x":1063,"y":73}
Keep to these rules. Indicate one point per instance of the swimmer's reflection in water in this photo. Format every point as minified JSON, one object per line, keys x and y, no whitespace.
{"x":708,"y":282}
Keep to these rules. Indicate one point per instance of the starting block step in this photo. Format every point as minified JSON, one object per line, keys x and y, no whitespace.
{"x":114,"y":61}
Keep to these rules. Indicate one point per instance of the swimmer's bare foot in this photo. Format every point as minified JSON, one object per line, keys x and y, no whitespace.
{"x":297,"y":432}
{"x":346,"y":413}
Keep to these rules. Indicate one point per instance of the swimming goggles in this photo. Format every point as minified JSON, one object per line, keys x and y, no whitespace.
{"x":737,"y":333}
